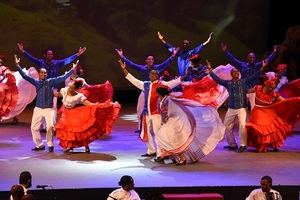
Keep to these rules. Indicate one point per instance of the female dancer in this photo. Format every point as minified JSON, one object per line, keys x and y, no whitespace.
{"x":271,"y":120}
{"x":80,"y":125}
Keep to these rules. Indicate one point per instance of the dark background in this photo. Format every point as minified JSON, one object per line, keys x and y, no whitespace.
{"x":132,"y":25}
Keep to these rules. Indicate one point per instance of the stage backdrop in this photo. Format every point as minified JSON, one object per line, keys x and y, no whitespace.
{"x":103,"y":25}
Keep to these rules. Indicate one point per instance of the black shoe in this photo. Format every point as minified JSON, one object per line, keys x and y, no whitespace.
{"x":149,"y":155}
{"x":68,"y":150}
{"x":241,"y":149}
{"x":87,"y":150}
{"x":51,"y":149}
{"x":275,"y":149}
{"x":159,"y":160}
{"x":137,"y":131}
{"x":43,"y":131}
{"x":38,"y":148}
{"x":181,"y":162}
{"x":230,"y":148}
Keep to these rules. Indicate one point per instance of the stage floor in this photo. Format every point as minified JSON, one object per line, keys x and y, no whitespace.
{"x":119,"y":154}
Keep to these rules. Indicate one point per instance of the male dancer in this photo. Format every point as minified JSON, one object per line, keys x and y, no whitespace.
{"x":150,"y":115}
{"x":185,"y":52}
{"x":44,"y":104}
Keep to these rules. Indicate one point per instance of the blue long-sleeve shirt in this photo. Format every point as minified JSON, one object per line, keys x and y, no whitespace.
{"x":237,"y":89}
{"x":183,"y":61}
{"x":145,"y":70}
{"x":52,"y":68}
{"x":246,"y":69}
{"x":44,"y":93}
{"x":197,"y":73}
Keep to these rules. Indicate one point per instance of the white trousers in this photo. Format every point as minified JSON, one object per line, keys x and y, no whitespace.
{"x":38,"y":115}
{"x":140,"y":107}
{"x":153,"y":124}
{"x":251,"y":98}
{"x":230,"y":116}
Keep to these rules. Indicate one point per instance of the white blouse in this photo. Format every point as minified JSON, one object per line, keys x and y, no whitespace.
{"x":71,"y":101}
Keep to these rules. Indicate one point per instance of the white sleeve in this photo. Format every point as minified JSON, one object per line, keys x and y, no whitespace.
{"x":173,"y":83}
{"x":63,"y":91}
{"x":137,"y":83}
{"x":81,"y":98}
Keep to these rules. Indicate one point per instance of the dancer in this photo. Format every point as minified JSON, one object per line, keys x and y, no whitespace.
{"x":51,"y":65}
{"x":236,"y":88}
{"x":273,"y":116}
{"x":287,"y":89}
{"x":185,"y":52}
{"x":44,"y":104}
{"x":80,"y":125}
{"x":189,"y":130}
{"x":249,"y":67}
{"x":145,"y":71}
{"x":150,"y":117}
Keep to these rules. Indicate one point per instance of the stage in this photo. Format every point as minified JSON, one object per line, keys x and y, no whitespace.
{"x":119,"y":154}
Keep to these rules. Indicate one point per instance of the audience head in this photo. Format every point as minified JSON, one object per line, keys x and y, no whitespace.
{"x":126,"y":182}
{"x":266,"y":183}
{"x":25,"y":179}
{"x":17,"y":192}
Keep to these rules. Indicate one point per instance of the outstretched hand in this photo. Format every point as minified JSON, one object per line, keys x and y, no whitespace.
{"x":122,"y":64}
{"x":120,"y":52}
{"x":160,"y":36}
{"x":208,"y":39}
{"x":81,"y":50}
{"x":223,"y":46}
{"x":208,"y":65}
{"x":74,"y":65}
{"x":17,"y":60}
{"x":21,"y":47}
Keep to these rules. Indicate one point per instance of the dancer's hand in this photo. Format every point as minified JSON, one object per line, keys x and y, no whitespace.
{"x":122,"y":64}
{"x":208,"y":65}
{"x":208,"y":39}
{"x":17,"y":60}
{"x":21,"y":47}
{"x":120,"y":52}
{"x":81,"y":50}
{"x":74,"y":65}
{"x":175,"y":51}
{"x":223,"y":46}
{"x":160,"y":36}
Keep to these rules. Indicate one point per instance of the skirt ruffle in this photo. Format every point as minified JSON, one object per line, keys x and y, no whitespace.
{"x":291,"y":89}
{"x":270,"y":126}
{"x":8,"y":95}
{"x":90,"y":123}
{"x":98,"y":93}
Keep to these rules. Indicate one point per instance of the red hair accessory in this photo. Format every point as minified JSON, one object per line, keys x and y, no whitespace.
{"x":195,"y":57}
{"x":272,"y":78}
{"x":281,"y":67}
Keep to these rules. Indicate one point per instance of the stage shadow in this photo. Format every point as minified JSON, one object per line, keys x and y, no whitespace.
{"x":78,"y":156}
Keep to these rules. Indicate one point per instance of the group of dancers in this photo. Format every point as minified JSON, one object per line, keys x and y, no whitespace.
{"x":178,"y":118}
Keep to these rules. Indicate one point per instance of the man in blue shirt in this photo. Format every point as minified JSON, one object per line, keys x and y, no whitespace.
{"x":44,"y":104}
{"x":237,"y":89}
{"x":185,"y":52}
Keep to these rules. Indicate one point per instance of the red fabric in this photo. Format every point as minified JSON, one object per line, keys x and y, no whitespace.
{"x":264,"y":99}
{"x":269,"y":126}
{"x":204,"y":91}
{"x":154,"y":99}
{"x":90,"y":123}
{"x":98,"y":93}
{"x":8,"y":95}
{"x":203,"y":196}
{"x":291,"y":89}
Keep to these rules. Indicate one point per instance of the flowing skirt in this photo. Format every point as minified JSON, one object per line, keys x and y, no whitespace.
{"x":191,"y":129}
{"x":291,"y":89}
{"x":270,"y":126}
{"x":8,"y":95}
{"x":82,"y":125}
{"x":98,"y":93}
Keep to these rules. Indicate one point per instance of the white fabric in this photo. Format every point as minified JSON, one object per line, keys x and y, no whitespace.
{"x":230,"y":116}
{"x":121,"y":194}
{"x":38,"y":115}
{"x":190,"y":123}
{"x":251,"y":98}
{"x":27,"y":91}
{"x":258,"y":194}
{"x":283,"y":80}
{"x":71,"y":101}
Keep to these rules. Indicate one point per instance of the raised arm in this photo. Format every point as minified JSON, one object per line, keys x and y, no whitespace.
{"x":208,"y":39}
{"x":68,"y":60}
{"x":271,"y":57}
{"x":31,"y":58}
{"x":129,"y":62}
{"x":137,"y":83}
{"x":232,"y":59}
{"x":249,"y":80}
{"x":62,"y":78}
{"x":22,"y":73}
{"x":166,"y":44}
{"x":160,"y":67}
{"x":214,"y":76}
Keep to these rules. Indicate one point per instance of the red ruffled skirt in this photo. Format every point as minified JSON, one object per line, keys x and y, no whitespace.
{"x":269,"y":126}
{"x":8,"y":95}
{"x":204,"y":91}
{"x":82,"y":125}
{"x":98,"y":93}
{"x":291,"y":89}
